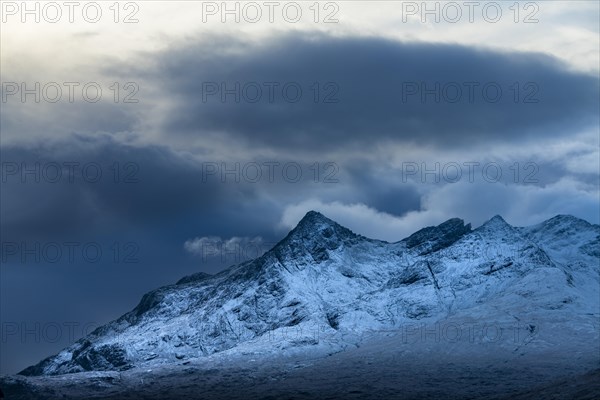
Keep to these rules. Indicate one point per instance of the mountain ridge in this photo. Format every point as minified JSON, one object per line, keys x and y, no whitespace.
{"x":326,"y":276}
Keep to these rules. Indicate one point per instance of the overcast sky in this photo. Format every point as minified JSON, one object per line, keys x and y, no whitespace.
{"x":173,"y":139}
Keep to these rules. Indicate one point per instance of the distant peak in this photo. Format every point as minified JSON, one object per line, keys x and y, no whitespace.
{"x":567,"y":218}
{"x":563,"y":222}
{"x":497,"y":218}
{"x":494,"y":223}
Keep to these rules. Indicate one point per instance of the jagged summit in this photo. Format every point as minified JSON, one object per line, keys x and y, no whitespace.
{"x":498,"y":218}
{"x":314,"y":236}
{"x":433,"y":238}
{"x":314,"y":220}
{"x":315,"y":226}
{"x":494,"y":224}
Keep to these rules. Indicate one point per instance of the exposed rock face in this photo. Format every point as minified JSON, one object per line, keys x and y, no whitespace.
{"x":434,"y":238}
{"x":193,"y":278}
{"x":324,"y":280}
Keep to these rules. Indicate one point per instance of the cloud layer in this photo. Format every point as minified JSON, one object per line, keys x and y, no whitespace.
{"x":361,"y":91}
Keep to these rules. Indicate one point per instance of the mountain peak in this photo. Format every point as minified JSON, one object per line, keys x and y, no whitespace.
{"x":495,"y":224}
{"x":496,"y":220}
{"x":563,"y":225}
{"x":314,"y":216}
{"x":434,"y":238}
{"x":566,"y":219}
{"x":316,"y":234}
{"x":314,"y":223}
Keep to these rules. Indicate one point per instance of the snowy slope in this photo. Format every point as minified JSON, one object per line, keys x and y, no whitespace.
{"x":333,"y":288}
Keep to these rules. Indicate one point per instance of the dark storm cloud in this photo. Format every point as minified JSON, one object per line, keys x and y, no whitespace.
{"x":154,"y":188}
{"x":375,"y":78}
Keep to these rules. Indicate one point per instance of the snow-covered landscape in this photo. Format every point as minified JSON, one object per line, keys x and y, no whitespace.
{"x":449,"y":312}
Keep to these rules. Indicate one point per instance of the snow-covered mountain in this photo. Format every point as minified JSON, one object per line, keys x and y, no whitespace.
{"x":333,"y":288}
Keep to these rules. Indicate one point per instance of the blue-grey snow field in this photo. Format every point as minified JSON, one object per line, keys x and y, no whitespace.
{"x":450,"y":312}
